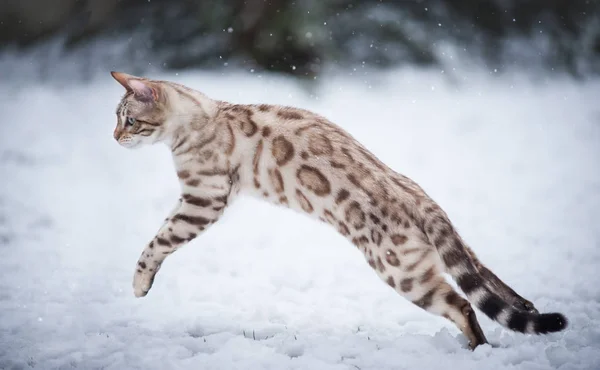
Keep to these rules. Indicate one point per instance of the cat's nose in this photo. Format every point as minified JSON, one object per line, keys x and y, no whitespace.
{"x":117,"y":133}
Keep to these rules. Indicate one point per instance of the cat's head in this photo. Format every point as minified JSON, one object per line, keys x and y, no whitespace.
{"x":143,"y":112}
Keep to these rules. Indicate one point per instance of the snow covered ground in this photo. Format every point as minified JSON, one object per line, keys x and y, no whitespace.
{"x":515,"y":164}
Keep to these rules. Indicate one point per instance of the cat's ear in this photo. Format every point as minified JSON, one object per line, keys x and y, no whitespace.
{"x":142,"y":90}
{"x":123,"y":79}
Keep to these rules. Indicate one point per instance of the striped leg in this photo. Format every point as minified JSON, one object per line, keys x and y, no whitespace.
{"x":427,"y":288}
{"x":193,"y":216}
{"x":173,"y":211}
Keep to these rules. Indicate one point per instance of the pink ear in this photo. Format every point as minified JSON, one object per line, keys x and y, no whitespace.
{"x":122,"y":78}
{"x":142,"y":90}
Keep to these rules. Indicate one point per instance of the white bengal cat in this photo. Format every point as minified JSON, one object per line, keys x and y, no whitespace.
{"x":298,"y":159}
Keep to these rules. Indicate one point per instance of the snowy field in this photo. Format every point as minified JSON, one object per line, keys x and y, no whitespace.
{"x":515,"y":164}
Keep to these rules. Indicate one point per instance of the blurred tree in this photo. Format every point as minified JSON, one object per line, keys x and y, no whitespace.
{"x":298,"y":37}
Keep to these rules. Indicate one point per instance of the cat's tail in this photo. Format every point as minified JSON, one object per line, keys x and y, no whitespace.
{"x":461,"y":267}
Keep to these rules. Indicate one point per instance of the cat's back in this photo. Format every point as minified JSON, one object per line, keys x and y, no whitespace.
{"x":303,"y":155}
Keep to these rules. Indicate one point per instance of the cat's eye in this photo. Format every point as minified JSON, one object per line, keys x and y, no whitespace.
{"x":130,"y":121}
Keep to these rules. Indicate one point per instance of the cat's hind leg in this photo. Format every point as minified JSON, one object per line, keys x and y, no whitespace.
{"x":418,"y":277}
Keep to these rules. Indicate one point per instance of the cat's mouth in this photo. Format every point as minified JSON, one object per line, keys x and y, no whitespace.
{"x":129,"y":143}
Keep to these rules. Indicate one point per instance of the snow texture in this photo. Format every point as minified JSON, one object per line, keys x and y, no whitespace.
{"x":515,"y":164}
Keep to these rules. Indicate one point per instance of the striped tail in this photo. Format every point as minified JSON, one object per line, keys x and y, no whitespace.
{"x":460,"y":266}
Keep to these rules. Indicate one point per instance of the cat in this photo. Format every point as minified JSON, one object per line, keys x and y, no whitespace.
{"x":300,"y":160}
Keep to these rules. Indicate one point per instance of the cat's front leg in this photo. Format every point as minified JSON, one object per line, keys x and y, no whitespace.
{"x":173,"y":211}
{"x":193,"y":216}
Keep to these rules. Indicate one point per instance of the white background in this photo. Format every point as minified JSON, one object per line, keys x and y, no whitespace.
{"x":515,"y":164}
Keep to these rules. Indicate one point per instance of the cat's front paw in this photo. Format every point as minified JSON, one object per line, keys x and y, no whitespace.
{"x":142,"y":282}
